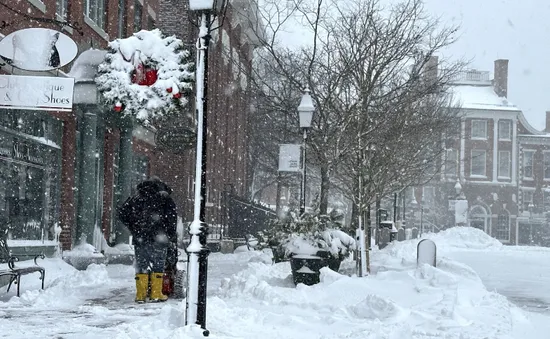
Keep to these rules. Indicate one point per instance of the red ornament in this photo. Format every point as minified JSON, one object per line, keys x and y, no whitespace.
{"x":169,"y":90}
{"x":118,"y":107}
{"x":177,"y":95}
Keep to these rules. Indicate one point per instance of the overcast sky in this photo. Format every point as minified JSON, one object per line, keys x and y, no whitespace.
{"x":517,"y":30}
{"x":506,"y":29}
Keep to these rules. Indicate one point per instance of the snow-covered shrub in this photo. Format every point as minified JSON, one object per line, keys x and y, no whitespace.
{"x":312,"y":234}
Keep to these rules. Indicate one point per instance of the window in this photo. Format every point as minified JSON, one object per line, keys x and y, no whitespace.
{"x":502,"y":231}
{"x":478,"y":163}
{"x":527,"y":200}
{"x":121,"y":18}
{"x":61,"y":8}
{"x":479,"y":129}
{"x":95,"y":11}
{"x":138,"y":14}
{"x":451,"y":162}
{"x":504,"y":130}
{"x":504,"y":164}
{"x":547,"y":165}
{"x":528,"y":164}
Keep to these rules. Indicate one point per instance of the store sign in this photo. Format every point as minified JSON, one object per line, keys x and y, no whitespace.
{"x":38,"y":49}
{"x":289,"y":158}
{"x":38,"y":93}
{"x":23,"y":152}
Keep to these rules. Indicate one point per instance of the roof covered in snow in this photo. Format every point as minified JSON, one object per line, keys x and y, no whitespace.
{"x":480,"y":97}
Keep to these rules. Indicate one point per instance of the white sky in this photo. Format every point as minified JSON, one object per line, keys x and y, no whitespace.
{"x":492,"y":29}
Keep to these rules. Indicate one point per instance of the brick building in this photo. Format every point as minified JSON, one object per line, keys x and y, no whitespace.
{"x":501,"y":162}
{"x":79,"y":198}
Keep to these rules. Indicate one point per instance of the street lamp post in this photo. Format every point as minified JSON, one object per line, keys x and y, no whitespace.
{"x":531,"y":207}
{"x":305,"y":112}
{"x":197,"y":250}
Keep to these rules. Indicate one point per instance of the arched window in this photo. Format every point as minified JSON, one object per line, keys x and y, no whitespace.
{"x":479,"y":218}
{"x":502,"y":231}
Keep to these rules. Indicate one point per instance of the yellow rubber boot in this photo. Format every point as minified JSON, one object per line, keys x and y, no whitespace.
{"x":142,"y":284}
{"x":156,"y":288}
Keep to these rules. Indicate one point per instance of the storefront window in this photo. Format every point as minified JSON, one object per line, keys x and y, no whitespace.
{"x":29,"y":163}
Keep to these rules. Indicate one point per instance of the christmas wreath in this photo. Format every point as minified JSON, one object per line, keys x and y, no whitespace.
{"x":146,"y":76}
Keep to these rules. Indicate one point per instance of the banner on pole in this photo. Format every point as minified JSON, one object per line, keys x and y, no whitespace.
{"x":289,"y":158}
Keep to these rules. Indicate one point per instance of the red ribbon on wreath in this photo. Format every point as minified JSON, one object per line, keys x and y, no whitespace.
{"x":141,"y":75}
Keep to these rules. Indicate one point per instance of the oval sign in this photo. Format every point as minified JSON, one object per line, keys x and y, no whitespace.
{"x":38,"y":49}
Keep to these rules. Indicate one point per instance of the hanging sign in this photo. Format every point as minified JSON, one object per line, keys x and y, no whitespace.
{"x":289,"y":158}
{"x":37,"y":49}
{"x":36,"y":93}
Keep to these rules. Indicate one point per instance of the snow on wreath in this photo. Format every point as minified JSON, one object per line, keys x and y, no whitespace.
{"x":146,"y":76}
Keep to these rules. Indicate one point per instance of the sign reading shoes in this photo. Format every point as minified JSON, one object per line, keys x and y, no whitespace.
{"x":37,"y":93}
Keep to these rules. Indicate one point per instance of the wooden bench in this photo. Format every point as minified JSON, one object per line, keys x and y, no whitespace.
{"x":14,"y":272}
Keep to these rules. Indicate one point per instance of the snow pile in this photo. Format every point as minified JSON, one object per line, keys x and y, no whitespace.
{"x":465,"y":237}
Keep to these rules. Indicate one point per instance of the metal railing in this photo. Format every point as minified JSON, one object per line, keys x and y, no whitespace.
{"x":472,"y":76}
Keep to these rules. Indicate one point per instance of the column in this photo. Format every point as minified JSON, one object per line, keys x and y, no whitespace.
{"x":125,"y":172}
{"x":87,"y":192}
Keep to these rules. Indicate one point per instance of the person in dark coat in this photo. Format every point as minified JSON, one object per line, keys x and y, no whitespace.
{"x":151,"y":217}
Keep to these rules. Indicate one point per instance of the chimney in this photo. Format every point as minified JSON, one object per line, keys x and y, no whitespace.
{"x":500,"y":83}
{"x":430,"y":69}
{"x":547,"y":130}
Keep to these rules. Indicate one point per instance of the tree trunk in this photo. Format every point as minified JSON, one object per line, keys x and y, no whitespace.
{"x":278,"y":195}
{"x":325,"y":183}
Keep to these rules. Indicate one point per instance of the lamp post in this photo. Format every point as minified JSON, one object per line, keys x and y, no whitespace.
{"x":305,"y":112}
{"x":197,"y":250}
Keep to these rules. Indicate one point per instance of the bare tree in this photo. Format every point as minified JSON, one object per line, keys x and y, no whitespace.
{"x":380,"y":105}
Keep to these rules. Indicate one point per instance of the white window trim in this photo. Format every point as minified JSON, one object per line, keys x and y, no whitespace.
{"x":472,"y":163}
{"x":509,"y":229}
{"x":472,"y":130}
{"x":509,"y":165}
{"x":531,"y":178}
{"x":38,"y":4}
{"x":509,"y":122}
{"x":96,"y":28}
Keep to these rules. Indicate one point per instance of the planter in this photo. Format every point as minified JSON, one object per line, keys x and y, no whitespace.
{"x":334,"y":264}
{"x":305,"y":269}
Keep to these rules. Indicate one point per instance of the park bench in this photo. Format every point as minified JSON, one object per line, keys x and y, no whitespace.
{"x":13,"y":272}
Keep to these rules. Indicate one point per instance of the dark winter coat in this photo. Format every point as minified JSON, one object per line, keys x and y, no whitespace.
{"x":150,"y":215}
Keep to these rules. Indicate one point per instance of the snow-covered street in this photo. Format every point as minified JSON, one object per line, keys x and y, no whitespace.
{"x":251,"y":298}
{"x":521,"y":273}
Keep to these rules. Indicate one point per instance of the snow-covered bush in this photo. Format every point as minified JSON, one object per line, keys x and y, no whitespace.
{"x":311,"y":234}
{"x":146,"y":76}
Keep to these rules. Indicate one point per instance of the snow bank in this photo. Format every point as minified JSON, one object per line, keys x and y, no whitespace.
{"x":464,"y":237}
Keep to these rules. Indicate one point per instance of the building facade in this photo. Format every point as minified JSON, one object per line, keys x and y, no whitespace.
{"x":500,"y":162}
{"x":62,"y":174}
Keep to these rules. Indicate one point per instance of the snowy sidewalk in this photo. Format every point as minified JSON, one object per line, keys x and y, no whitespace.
{"x":251,"y":298}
